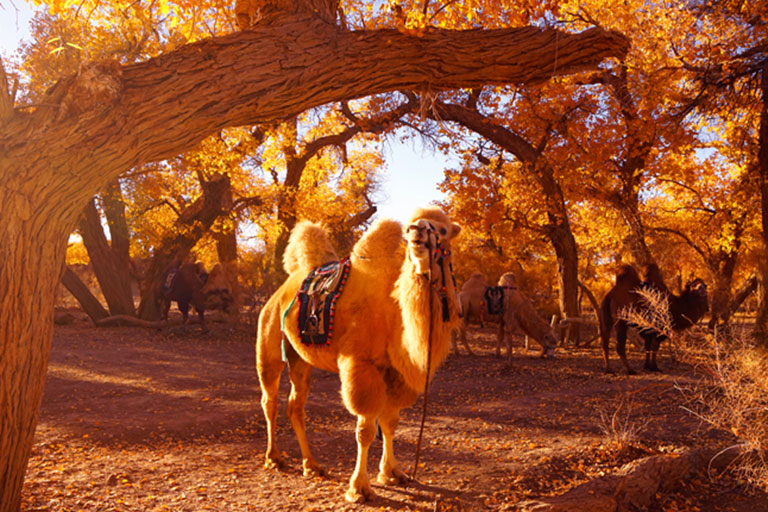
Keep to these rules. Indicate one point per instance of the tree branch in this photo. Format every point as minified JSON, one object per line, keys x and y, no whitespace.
{"x":684,"y":237}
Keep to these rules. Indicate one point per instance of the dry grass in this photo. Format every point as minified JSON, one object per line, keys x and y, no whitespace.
{"x":620,"y":425}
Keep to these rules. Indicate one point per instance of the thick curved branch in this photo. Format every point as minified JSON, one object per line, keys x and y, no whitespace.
{"x":121,"y":116}
{"x":6,"y":100}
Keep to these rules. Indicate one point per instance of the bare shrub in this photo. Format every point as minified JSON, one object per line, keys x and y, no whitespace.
{"x":734,"y":397}
{"x":733,"y":393}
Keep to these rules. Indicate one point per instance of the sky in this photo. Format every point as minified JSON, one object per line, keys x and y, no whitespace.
{"x":412,"y":172}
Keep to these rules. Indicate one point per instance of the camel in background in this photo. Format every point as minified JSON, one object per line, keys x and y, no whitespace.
{"x":684,"y":310}
{"x":473,"y":307}
{"x":396,"y":294}
{"x":188,"y":284}
{"x":518,"y":314}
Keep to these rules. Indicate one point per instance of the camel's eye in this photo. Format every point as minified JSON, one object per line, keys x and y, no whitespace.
{"x":443,"y":231}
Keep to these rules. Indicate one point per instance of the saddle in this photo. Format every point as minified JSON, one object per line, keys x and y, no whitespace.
{"x":494,"y":299}
{"x":168,"y":279}
{"x":317,"y":298}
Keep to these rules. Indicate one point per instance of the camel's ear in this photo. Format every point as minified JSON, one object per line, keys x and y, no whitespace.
{"x":455,"y":230}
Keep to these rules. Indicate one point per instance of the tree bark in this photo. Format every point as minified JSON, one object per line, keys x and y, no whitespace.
{"x":108,"y":118}
{"x":638,"y":248}
{"x":31,"y":260}
{"x":722,"y":297}
{"x":82,"y":293}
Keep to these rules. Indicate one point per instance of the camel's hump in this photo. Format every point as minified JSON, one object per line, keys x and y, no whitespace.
{"x":383,"y":240}
{"x":308,"y":247}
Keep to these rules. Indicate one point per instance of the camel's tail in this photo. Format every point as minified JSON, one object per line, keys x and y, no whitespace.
{"x":308,"y":247}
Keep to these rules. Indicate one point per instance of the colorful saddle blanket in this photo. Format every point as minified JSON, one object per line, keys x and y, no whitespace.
{"x":317,"y":298}
{"x":494,"y":299}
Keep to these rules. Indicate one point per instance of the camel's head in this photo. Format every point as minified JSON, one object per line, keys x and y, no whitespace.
{"x":697,"y":289}
{"x":429,"y":234}
{"x":508,"y":281}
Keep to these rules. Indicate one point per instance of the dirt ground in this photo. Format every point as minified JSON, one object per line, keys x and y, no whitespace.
{"x":153,"y":420}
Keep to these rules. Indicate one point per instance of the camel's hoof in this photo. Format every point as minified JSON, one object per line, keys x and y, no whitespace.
{"x":359,"y":495}
{"x":630,"y":371}
{"x":396,"y":477}
{"x":549,"y":353}
{"x":312,"y":469}
{"x":273,"y":463}
{"x":608,"y":371}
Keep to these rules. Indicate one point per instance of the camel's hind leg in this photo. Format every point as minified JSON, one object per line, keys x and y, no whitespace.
{"x":300,"y":373}
{"x":269,"y":366}
{"x":269,"y":378}
{"x":504,"y":338}
{"x":499,"y":337}
{"x":463,"y":338}
{"x":389,"y":468}
{"x":621,"y":345}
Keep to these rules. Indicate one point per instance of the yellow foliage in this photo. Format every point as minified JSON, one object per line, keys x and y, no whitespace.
{"x":76,"y":252}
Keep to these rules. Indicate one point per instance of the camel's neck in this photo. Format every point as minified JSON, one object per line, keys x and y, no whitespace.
{"x":422,"y":315}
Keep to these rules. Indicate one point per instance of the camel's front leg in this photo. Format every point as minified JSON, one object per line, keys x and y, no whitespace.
{"x":389,"y":469}
{"x":359,"y":485}
{"x":463,"y":337}
{"x":299,"y":374}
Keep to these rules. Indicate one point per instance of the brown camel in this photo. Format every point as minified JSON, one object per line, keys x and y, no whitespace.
{"x":684,"y":310}
{"x":520,"y":315}
{"x":396,"y":294}
{"x":472,"y":297}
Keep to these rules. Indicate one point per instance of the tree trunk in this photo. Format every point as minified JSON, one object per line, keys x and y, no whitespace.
{"x":108,"y":118}
{"x":567,"y":275}
{"x":31,"y":258}
{"x":226,"y":249}
{"x":110,"y":263}
{"x":636,"y":238}
{"x":720,"y":305}
{"x":82,"y":293}
{"x":761,"y":322}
